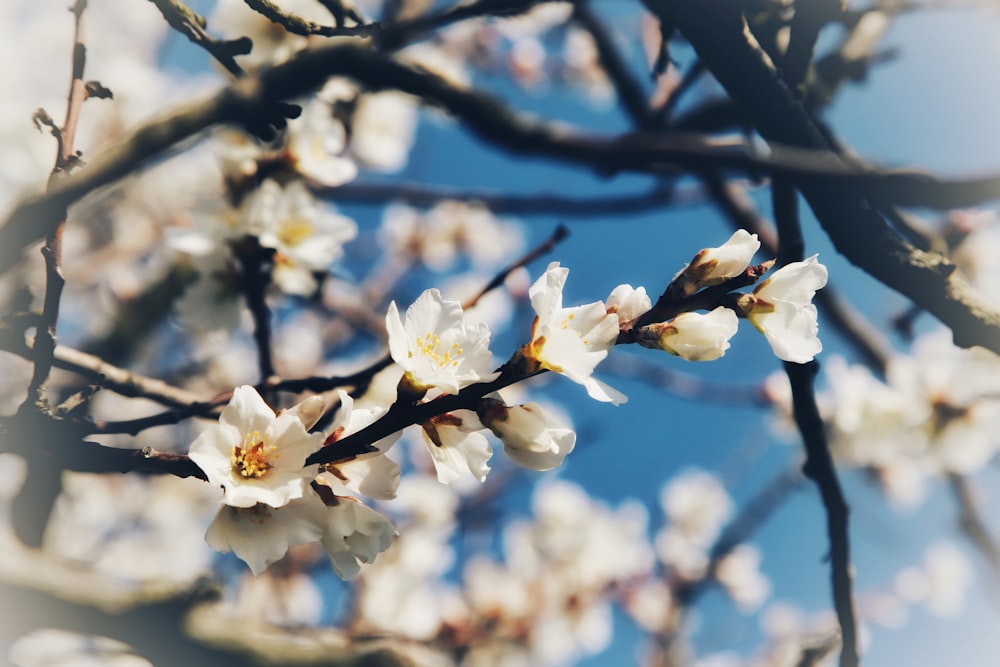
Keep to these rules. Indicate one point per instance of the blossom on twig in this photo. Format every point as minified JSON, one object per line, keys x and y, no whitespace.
{"x":571,"y":341}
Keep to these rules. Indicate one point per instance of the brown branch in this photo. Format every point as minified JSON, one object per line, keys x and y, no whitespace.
{"x":192,"y":25}
{"x":869,"y":341}
{"x":426,"y":196}
{"x":45,"y":336}
{"x":299,"y":26}
{"x":631,"y":95}
{"x":835,"y":188}
{"x":544,"y":248}
{"x":972,"y":524}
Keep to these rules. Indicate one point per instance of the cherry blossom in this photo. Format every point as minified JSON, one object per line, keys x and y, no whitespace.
{"x":628,"y":303}
{"x":571,"y":341}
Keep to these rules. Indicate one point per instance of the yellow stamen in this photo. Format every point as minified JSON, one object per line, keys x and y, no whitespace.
{"x":251,"y":460}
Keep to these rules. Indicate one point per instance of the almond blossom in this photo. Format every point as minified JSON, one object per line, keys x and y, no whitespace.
{"x":436,"y":347}
{"x":531,"y":438}
{"x":712,"y":266}
{"x":693,"y":336}
{"x":781,"y":308}
{"x":353,"y":534}
{"x":254,"y":455}
{"x":571,"y":341}
{"x":628,"y":303}
{"x":260,"y":535}
{"x":456,"y":446}
{"x":306,"y":238}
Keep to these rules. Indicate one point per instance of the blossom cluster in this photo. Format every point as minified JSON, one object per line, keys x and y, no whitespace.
{"x":272,"y":498}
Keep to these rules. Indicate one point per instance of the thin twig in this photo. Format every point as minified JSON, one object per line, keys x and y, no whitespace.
{"x":972,"y":524}
{"x":297,"y":25}
{"x":819,"y":465}
{"x":192,"y":25}
{"x":45,"y":337}
{"x":420,"y":195}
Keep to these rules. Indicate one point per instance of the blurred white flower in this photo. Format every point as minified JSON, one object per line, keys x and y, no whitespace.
{"x":781,"y":308}
{"x":48,"y":647}
{"x":531,"y":438}
{"x":436,"y":347}
{"x":354,"y":534}
{"x":317,"y":145}
{"x":261,"y":534}
{"x":739,"y":573}
{"x":255,"y":456}
{"x":693,"y":336}
{"x":382,"y":129}
{"x":306,"y":238}
{"x":571,"y":341}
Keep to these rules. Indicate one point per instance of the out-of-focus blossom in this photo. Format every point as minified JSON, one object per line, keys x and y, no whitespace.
{"x":571,"y":341}
{"x":382,"y":130}
{"x":46,"y":647}
{"x":353,"y":534}
{"x":306,"y":238}
{"x":781,"y":308}
{"x":941,"y":583}
{"x":695,"y":505}
{"x":693,"y":336}
{"x":739,"y":573}
{"x":317,"y":145}
{"x":255,"y":456}
{"x":449,"y":229}
{"x":261,"y":534}
{"x":436,"y":347}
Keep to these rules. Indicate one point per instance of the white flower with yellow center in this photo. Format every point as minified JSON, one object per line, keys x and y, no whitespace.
{"x":255,"y":456}
{"x":436,"y":347}
{"x":571,"y":341}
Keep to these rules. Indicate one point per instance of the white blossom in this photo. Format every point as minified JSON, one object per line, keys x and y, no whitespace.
{"x":255,"y":456}
{"x":693,"y":336}
{"x":457,"y":446}
{"x":317,"y":145}
{"x":374,"y":475}
{"x":712,"y":266}
{"x":435,"y":345}
{"x":571,"y":341}
{"x":628,"y":303}
{"x":353,"y":534}
{"x":261,"y":534}
{"x":781,"y":308}
{"x":306,"y":238}
{"x":382,"y":129}
{"x":531,"y":438}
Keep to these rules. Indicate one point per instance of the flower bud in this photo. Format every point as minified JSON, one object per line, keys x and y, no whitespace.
{"x":693,"y":336}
